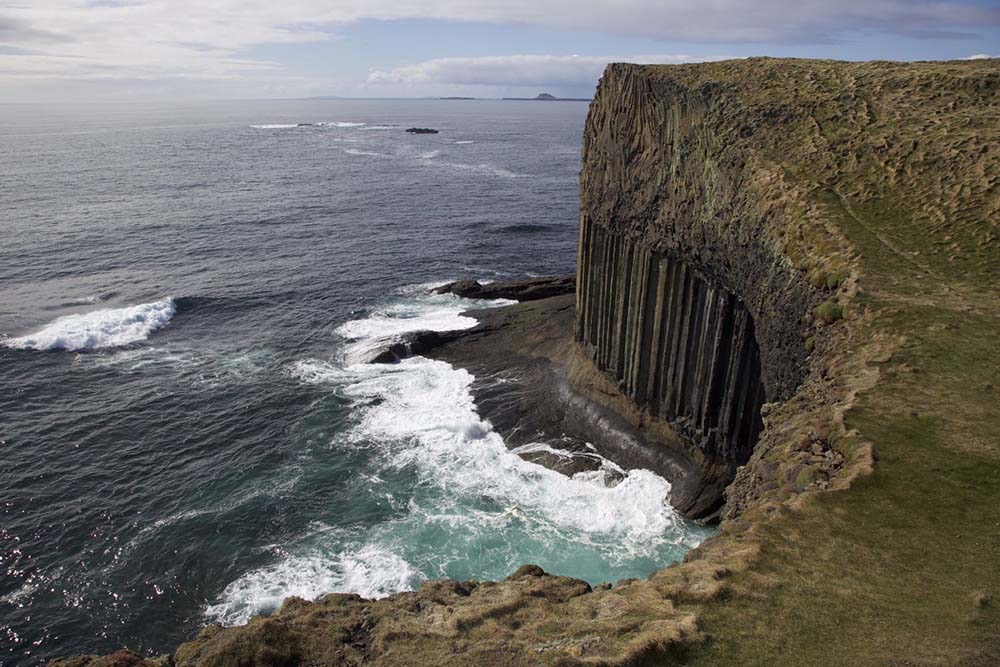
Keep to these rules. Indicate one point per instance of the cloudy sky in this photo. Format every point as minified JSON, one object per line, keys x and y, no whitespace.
{"x":67,"y":50}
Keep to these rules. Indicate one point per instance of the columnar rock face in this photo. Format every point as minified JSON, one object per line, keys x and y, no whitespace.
{"x":677,"y":343}
{"x":685,"y":297}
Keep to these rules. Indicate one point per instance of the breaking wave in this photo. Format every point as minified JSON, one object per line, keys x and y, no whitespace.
{"x":470,"y":507}
{"x":416,"y":309}
{"x":110,"y":327}
{"x":369,"y":571}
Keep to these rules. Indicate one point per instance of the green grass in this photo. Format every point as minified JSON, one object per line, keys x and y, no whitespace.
{"x":893,"y":171}
{"x":894,"y":570}
{"x":830,"y":312}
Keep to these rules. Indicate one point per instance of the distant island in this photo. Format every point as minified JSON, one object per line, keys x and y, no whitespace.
{"x":455,"y":97}
{"x":546,"y":97}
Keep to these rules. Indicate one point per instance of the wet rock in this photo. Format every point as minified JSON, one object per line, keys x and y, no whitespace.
{"x":515,"y":290}
{"x":528,"y":571}
{"x":409,"y":345}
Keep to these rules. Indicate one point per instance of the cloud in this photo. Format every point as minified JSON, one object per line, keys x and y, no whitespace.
{"x":152,"y":39}
{"x":980,"y":56}
{"x":516,"y":70}
{"x":13,"y":29}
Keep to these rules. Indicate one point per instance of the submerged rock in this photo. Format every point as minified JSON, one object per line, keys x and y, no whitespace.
{"x":421,"y":130}
{"x":413,"y":343}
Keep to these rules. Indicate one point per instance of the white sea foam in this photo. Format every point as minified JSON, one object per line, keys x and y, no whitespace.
{"x":389,"y":322}
{"x":414,"y":312}
{"x":370,"y":571}
{"x":420,"y":289}
{"x":83,"y":300}
{"x":275,"y":126}
{"x":355,"y":151}
{"x":22,"y":593}
{"x":140,"y":359}
{"x":430,"y":155}
{"x":482,"y":168}
{"x":475,"y":505}
{"x":340,"y":124}
{"x":316,"y":371}
{"x":426,"y":417}
{"x":425,"y":414}
{"x":109,"y":327}
{"x":463,"y":142}
{"x":423,"y":411}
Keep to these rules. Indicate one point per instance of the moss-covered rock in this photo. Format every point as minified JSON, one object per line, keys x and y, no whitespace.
{"x":829,"y":312}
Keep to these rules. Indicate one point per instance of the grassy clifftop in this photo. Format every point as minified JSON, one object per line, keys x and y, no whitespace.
{"x":909,"y":149}
{"x":883,"y":185}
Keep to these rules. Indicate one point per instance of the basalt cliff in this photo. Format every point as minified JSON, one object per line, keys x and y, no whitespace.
{"x":787,"y":299}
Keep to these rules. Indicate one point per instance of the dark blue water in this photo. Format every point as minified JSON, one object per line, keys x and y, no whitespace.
{"x":185,"y":434}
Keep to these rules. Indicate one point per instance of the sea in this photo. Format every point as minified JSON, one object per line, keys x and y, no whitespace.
{"x":188,"y":430}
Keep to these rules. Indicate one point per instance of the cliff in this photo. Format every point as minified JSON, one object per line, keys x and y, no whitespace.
{"x":788,"y":277}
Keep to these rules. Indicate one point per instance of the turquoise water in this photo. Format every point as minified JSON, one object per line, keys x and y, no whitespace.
{"x":455,"y":501}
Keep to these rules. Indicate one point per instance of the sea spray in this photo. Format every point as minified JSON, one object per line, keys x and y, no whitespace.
{"x":108,"y":327}
{"x":458,"y":502}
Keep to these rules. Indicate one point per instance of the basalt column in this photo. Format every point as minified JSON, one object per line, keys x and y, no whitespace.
{"x":677,"y":344}
{"x":686,"y":297}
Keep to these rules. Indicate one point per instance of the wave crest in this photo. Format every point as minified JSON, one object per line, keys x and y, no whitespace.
{"x":370,"y":571}
{"x":109,"y":327}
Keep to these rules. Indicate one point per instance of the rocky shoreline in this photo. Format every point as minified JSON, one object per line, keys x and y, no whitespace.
{"x":548,"y":394}
{"x":534,"y":385}
{"x":523,"y":358}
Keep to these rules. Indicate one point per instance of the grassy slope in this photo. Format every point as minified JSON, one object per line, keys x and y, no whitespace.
{"x":904,"y":567}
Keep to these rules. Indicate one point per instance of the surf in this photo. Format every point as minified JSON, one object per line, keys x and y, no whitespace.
{"x":463,"y":505}
{"x":107,"y":327}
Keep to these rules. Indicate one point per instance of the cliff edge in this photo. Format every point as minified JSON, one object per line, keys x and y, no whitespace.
{"x":791,"y":266}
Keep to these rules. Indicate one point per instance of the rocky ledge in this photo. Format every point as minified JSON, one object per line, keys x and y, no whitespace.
{"x":528,"y":289}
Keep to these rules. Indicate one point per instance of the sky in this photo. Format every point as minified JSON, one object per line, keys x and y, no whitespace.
{"x":96,"y":50}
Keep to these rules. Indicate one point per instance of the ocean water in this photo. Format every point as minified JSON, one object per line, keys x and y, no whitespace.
{"x":186,"y":435}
